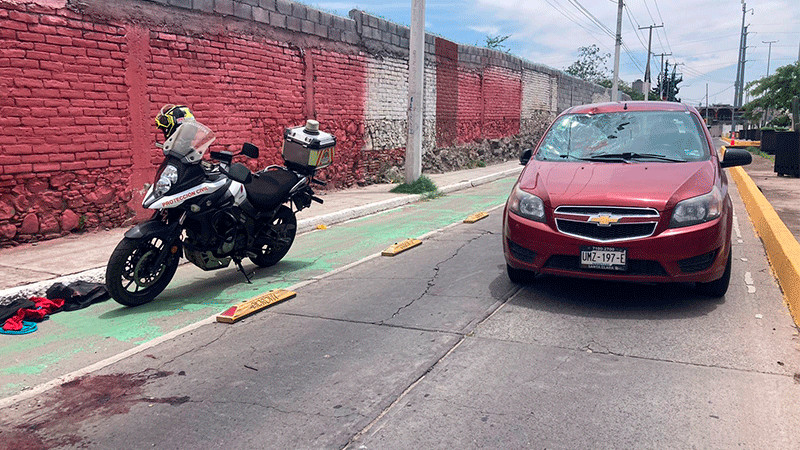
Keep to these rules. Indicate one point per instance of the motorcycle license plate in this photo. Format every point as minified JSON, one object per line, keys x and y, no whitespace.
{"x":606,"y":258}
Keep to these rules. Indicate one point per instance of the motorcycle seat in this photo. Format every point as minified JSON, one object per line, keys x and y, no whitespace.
{"x":271,"y":188}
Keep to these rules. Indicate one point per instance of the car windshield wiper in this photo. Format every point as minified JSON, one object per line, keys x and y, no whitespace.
{"x":629,"y":155}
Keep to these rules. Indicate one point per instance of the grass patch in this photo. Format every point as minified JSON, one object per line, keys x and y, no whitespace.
{"x":757,"y":151}
{"x":423,"y":185}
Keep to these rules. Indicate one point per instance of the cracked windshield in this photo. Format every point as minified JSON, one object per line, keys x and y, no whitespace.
{"x":665,"y":136}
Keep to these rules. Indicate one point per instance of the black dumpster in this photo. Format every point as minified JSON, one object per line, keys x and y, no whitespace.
{"x":787,"y":153}
{"x":768,"y":142}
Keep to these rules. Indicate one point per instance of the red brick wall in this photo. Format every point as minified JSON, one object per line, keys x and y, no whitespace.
{"x":64,"y":139}
{"x":502,"y":98}
{"x":470,"y":105}
{"x":79,"y":91}
{"x":446,"y":92}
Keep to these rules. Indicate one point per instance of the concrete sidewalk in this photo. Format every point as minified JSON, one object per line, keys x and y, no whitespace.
{"x":28,"y":270}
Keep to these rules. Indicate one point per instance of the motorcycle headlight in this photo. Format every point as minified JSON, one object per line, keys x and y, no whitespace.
{"x":697,"y":209}
{"x":526,"y":205}
{"x":169,"y":176}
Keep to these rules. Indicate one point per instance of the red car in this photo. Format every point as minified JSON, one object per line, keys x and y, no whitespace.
{"x":624,"y":191}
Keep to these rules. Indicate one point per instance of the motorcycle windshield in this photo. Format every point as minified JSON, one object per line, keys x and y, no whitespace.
{"x":190,"y":141}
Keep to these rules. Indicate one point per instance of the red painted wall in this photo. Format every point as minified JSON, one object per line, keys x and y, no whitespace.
{"x":78,"y":95}
{"x":446,"y":92}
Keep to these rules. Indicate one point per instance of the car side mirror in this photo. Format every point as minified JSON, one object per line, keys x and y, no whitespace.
{"x":250,"y":150}
{"x":525,"y":156}
{"x":239,"y":172}
{"x":736,"y":157}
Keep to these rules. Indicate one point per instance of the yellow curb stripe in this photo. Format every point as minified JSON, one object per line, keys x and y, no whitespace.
{"x":783,"y":250}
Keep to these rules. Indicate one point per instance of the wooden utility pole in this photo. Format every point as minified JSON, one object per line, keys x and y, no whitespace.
{"x":416,"y":83}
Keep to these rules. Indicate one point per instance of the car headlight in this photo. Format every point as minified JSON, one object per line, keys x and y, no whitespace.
{"x":169,"y":176}
{"x":697,"y":209}
{"x":526,"y":205}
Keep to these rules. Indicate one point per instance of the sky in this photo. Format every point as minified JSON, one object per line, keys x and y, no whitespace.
{"x":702,"y":35}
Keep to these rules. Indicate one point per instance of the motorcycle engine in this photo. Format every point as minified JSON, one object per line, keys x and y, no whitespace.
{"x":209,"y":244}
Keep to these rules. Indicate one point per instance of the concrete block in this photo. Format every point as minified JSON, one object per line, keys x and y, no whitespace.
{"x":277,"y":19}
{"x":260,"y":14}
{"x":269,"y":5}
{"x":284,"y":7}
{"x":223,"y":7}
{"x":181,"y":3}
{"x":312,"y":15}
{"x":293,"y":23}
{"x":242,"y":10}
{"x":204,"y":5}
{"x":321,"y":30}
{"x":299,"y":10}
{"x":249,"y":2}
{"x":307,"y":26}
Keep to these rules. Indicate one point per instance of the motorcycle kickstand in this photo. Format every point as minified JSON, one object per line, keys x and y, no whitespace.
{"x":241,"y":269}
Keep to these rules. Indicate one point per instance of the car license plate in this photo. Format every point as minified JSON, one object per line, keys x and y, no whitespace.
{"x":607,"y":258}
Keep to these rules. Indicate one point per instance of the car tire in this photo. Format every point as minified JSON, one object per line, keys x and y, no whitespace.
{"x":519,"y":276}
{"x":717,"y":288}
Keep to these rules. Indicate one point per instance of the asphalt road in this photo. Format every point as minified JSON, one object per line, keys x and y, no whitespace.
{"x":436,"y":348}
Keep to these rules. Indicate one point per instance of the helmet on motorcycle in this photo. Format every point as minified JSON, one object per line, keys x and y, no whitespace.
{"x":171,"y":117}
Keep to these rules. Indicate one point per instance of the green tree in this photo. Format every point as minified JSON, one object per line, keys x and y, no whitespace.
{"x":775,"y":92}
{"x":496,"y":42}
{"x":667,"y":87}
{"x":592,"y":65}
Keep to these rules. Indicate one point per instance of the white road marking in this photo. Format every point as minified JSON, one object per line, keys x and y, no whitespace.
{"x":736,"y":227}
{"x":748,"y":280}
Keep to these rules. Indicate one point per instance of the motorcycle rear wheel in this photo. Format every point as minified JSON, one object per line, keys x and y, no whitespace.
{"x":131,"y":278}
{"x":275,"y":239}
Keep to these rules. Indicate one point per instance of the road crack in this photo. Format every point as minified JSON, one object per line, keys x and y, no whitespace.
{"x":432,"y":282}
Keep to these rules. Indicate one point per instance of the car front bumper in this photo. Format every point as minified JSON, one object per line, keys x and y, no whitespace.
{"x":696,"y":253}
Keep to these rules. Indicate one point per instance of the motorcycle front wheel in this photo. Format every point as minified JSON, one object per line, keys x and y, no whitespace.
{"x":132,"y":277}
{"x":276,"y":238}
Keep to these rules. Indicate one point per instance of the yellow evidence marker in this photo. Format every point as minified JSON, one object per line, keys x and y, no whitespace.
{"x":255,"y":304}
{"x":476,"y":217}
{"x":400,"y":247}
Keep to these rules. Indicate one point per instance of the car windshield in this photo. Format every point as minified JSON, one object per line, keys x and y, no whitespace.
{"x":652,"y":136}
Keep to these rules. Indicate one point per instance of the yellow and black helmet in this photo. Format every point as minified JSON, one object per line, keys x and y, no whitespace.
{"x":171,"y":117}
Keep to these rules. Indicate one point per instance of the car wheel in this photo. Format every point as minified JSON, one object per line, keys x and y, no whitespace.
{"x":519,"y":276}
{"x":717,"y":288}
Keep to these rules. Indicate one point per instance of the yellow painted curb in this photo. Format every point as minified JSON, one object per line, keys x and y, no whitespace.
{"x":783,"y":250}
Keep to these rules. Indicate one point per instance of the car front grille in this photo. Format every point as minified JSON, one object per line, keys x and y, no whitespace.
{"x":606,"y":223}
{"x":635,"y":266}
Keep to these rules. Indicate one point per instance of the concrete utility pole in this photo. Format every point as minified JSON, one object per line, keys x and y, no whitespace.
{"x":416,"y":82}
{"x":769,"y":53}
{"x":661,"y":84}
{"x":739,"y":85}
{"x":615,"y":84}
{"x":647,"y":78}
{"x":706,"y":103}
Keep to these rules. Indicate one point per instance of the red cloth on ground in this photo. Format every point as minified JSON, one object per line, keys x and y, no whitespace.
{"x":43,"y":308}
{"x":13,"y":323}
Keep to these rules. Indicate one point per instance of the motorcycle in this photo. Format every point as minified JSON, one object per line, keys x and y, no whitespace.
{"x":213,"y":213}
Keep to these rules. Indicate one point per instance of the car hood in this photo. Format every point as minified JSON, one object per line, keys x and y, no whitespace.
{"x":654,"y":185}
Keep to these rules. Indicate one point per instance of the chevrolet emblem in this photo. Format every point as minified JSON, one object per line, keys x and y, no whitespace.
{"x":603,"y":220}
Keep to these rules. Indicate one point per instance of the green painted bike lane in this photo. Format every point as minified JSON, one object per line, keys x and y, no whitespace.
{"x":69,"y":341}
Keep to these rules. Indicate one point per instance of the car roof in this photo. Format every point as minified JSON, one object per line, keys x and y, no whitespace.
{"x":612,"y":107}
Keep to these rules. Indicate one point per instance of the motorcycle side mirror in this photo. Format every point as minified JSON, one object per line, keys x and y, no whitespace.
{"x":239,"y":172}
{"x":249,"y":150}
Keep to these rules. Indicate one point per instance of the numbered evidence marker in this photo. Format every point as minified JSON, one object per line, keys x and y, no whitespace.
{"x":255,"y":304}
{"x":476,"y":217}
{"x":400,"y":247}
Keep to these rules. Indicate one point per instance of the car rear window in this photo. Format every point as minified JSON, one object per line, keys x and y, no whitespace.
{"x":672,"y":134}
